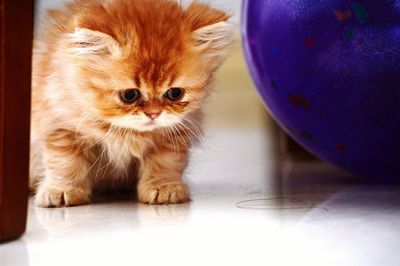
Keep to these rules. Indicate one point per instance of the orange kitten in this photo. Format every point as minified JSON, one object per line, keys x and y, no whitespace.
{"x":118,"y":88}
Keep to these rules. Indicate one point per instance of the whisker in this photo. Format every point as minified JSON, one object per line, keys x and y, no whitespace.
{"x":95,"y":143}
{"x":179,"y":135}
{"x":173,"y":140}
{"x":195,"y":134}
{"x":188,"y":136}
{"x":82,"y":117}
{"x":120,"y":145}
{"x":100,"y":157}
{"x":196,"y":127}
{"x":112,"y":155}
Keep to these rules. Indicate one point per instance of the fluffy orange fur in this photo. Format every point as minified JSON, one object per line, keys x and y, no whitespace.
{"x":85,"y":136}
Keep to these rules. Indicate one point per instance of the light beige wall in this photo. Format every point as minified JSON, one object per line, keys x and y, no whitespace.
{"x":231,"y":6}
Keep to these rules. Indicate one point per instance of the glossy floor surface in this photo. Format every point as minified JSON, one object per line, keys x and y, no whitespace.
{"x":311,"y":214}
{"x":249,"y":206}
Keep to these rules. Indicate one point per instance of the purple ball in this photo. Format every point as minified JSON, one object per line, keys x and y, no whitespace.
{"x":329,"y":73}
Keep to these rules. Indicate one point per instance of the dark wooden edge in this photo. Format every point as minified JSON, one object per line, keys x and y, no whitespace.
{"x":15,"y":92}
{"x":2,"y":33}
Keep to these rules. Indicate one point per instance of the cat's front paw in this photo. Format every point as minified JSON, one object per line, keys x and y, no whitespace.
{"x":55,"y":197}
{"x":163,"y":192}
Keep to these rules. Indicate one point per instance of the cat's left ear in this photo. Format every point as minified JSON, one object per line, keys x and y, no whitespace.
{"x":214,"y":40}
{"x":86,"y":42}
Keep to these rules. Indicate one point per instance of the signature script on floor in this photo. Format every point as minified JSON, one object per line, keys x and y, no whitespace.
{"x":278,"y":203}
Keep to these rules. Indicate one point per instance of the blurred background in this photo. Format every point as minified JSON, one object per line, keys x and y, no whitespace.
{"x":257,"y":199}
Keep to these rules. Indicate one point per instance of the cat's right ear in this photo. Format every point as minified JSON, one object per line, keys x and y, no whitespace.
{"x":212,"y":32}
{"x":85,"y":42}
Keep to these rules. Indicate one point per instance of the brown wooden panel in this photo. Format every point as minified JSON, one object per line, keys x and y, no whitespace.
{"x":1,"y":100}
{"x":15,"y":79}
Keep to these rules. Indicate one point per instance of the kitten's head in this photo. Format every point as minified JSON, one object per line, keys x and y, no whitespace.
{"x":142,"y":64}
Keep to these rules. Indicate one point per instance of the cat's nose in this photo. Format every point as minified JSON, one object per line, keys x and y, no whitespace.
{"x":153,"y":115}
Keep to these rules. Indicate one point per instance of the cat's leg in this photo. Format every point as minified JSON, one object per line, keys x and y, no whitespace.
{"x":66,"y":162}
{"x":160,"y":178}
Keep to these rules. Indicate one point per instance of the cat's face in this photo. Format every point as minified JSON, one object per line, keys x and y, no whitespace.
{"x":147,"y":78}
{"x":130,"y":92}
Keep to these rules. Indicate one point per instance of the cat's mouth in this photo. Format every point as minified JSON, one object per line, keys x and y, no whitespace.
{"x":151,"y":123}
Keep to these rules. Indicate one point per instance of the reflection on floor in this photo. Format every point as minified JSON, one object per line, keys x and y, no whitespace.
{"x":312,"y":215}
{"x":241,"y":214}
{"x":249,"y":207}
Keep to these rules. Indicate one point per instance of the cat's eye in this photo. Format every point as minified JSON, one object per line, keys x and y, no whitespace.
{"x":174,"y":94}
{"x":129,"y":96}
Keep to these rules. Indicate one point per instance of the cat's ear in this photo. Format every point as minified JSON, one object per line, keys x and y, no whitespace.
{"x":211,"y":31}
{"x":213,"y":41}
{"x":214,"y":38}
{"x":85,"y":42}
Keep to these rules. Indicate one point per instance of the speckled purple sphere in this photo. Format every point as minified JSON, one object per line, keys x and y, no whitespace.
{"x":329,"y":72}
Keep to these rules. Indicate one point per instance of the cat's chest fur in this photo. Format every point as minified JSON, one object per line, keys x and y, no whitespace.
{"x":116,"y":159}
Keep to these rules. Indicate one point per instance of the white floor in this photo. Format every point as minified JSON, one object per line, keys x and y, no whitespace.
{"x":241,"y":214}
{"x":249,"y":207}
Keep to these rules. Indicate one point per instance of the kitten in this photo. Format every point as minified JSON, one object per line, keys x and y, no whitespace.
{"x":118,"y":89}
